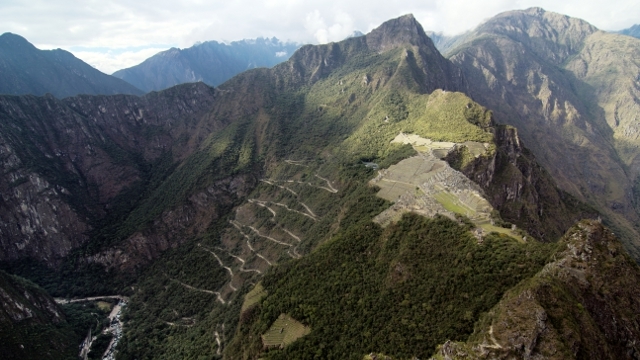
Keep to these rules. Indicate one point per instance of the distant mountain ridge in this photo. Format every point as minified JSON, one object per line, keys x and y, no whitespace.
{"x":632,"y":31}
{"x":211,"y":62}
{"x":24,"y":69}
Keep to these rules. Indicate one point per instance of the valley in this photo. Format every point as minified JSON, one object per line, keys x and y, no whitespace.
{"x":368,"y":196}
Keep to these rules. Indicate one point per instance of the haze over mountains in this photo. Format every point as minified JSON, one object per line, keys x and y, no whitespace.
{"x":27,"y":70}
{"x":370,"y":196}
{"x":210,"y":62}
{"x":632,"y":31}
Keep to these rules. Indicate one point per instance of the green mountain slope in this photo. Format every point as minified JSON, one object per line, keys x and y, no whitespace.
{"x":26,"y":70}
{"x":572,"y":92}
{"x":583,"y":304}
{"x":372,"y":289}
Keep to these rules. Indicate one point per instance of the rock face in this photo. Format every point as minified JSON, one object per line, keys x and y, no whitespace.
{"x":27,"y":70}
{"x":210,"y":62}
{"x":582,"y":304}
{"x":175,"y":225}
{"x":570,"y":89}
{"x":22,"y":300}
{"x":422,"y":61}
{"x":523,"y":192}
{"x":67,"y":163}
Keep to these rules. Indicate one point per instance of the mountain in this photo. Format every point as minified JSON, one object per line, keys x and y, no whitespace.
{"x":355,"y":33}
{"x":571,"y":90}
{"x":443,"y":42}
{"x":210,"y":62}
{"x":632,"y":31}
{"x":26,"y":70}
{"x":351,"y":200}
{"x":570,"y":309}
{"x":33,"y":325}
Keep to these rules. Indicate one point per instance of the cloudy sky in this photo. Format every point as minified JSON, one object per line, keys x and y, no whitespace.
{"x":114,"y":34}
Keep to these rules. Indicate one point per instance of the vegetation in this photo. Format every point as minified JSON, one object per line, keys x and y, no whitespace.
{"x":284,"y":331}
{"x":287,"y":146}
{"x":345,"y":288}
{"x":99,"y":346}
{"x":392,"y":290}
{"x":44,"y":334}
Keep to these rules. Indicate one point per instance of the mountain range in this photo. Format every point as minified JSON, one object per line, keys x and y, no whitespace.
{"x":210,"y":62}
{"x":24,"y":69}
{"x":369,"y":198}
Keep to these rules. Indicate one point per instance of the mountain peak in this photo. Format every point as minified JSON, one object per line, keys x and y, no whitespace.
{"x":11,"y":40}
{"x":402,"y":30}
{"x":535,"y":10}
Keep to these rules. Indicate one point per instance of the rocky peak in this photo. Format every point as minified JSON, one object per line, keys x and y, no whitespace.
{"x":400,"y":31}
{"x":551,"y":35}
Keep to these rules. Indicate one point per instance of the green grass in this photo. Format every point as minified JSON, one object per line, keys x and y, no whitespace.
{"x":253,"y":297}
{"x":453,"y":204}
{"x":492,"y":228}
{"x":284,"y":331}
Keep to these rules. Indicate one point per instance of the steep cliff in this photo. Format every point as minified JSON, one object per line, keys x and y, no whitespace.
{"x":71,"y":165}
{"x":519,"y":188}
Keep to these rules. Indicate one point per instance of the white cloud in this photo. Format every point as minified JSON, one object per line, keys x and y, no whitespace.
{"x":110,"y":61}
{"x":124,"y":24}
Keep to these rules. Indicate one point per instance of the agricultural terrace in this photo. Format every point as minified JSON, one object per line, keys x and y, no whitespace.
{"x":284,"y":331}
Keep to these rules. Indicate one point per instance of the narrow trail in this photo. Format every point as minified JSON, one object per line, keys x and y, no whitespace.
{"x":217,"y":336}
{"x":294,"y":255}
{"x":308,"y":210}
{"x":332,"y":189}
{"x":233,"y":288}
{"x":183,"y":325}
{"x":296,"y":163}
{"x":217,"y":258}
{"x":92,"y":298}
{"x":249,"y":243}
{"x":242,"y":268}
{"x":295,"y":248}
{"x":263,"y":204}
{"x":217,"y":294}
{"x":258,"y":254}
{"x":280,"y":186}
{"x":292,"y":234}
{"x":493,"y":339}
{"x":312,"y":217}
{"x":257,"y":232}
